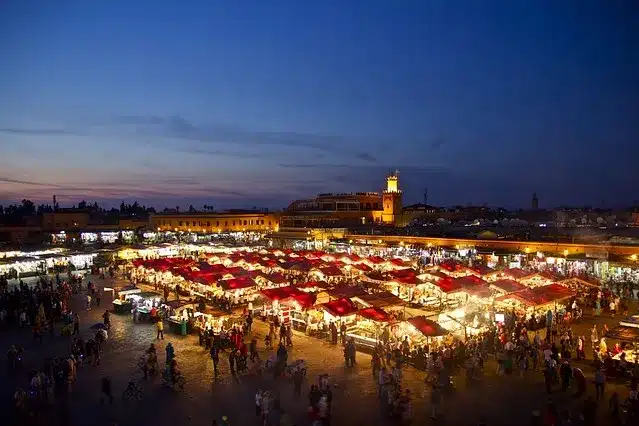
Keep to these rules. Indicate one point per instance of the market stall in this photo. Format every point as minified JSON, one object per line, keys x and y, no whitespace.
{"x":370,"y":326}
{"x":144,"y":302}
{"x":178,"y":312}
{"x":121,"y":302}
{"x":339,"y":311}
{"x":421,"y":331}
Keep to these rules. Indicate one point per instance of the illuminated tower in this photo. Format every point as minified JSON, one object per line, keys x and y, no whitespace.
{"x":392,"y":199}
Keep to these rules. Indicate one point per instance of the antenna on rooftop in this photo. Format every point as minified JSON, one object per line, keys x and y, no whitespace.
{"x":425,"y":196}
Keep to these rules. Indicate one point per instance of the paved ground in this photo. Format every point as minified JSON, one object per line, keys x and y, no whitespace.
{"x":497,"y":400}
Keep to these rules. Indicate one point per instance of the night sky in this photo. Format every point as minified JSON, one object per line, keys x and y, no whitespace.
{"x":244,"y":103}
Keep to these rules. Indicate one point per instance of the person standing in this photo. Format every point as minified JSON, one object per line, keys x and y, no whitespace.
{"x":215,"y":356}
{"x":160,"y":327}
{"x":88,"y":302}
{"x":76,"y":325}
{"x":600,"y":381}
{"x":98,"y":296}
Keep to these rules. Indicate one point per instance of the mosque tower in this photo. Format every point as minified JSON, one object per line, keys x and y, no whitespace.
{"x":392,"y":199}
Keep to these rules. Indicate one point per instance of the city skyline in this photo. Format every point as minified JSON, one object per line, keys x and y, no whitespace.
{"x":257,"y":104}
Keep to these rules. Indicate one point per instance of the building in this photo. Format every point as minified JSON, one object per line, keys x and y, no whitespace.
{"x":230,"y":221}
{"x":65,"y":220}
{"x":535,"y":202}
{"x":346,"y":209}
{"x":392,"y":199}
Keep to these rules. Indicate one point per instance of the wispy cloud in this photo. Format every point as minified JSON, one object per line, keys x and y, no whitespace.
{"x":181,"y":128}
{"x":23,"y":182}
{"x":201,"y":139}
{"x":37,"y":132}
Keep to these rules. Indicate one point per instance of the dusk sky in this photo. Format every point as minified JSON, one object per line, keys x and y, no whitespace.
{"x":244,"y":103}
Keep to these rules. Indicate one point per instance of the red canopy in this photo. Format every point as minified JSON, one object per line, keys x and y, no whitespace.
{"x":509,"y":286}
{"x":280,"y":293}
{"x":331,"y":271}
{"x":362,"y":267}
{"x":409,"y":280}
{"x":397,"y":262}
{"x":515,"y":273}
{"x":375,"y":314}
{"x":276,"y":278}
{"x":427,"y":327}
{"x":236,"y":283}
{"x":447,"y":285}
{"x":340,"y":307}
{"x":306,"y":300}
{"x":376,"y":260}
{"x":541,"y":295}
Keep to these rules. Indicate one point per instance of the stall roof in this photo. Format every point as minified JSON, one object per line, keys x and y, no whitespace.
{"x":375,"y":314}
{"x":541,"y":295}
{"x":482,"y":270}
{"x":330,"y":271}
{"x":427,"y":327}
{"x":376,"y":260}
{"x":236,"y":283}
{"x":381,"y":300}
{"x":589,"y":281}
{"x":340,"y":307}
{"x":508,"y":286}
{"x":400,"y":273}
{"x":469,"y":281}
{"x":447,"y":285}
{"x":276,"y":278}
{"x":306,"y":300}
{"x":515,"y":273}
{"x":397,"y":262}
{"x":544,"y":275}
{"x":409,"y":280}
{"x":346,"y":292}
{"x":451,"y":266}
{"x":362,"y":267}
{"x":375,"y":276}
{"x":281,"y":293}
{"x":312,"y":284}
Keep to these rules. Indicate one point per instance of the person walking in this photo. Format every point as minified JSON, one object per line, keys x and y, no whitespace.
{"x":160,"y":327}
{"x":98,"y":297}
{"x":600,"y":381}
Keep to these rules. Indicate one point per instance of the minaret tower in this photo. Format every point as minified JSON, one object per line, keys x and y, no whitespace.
{"x":392,"y":199}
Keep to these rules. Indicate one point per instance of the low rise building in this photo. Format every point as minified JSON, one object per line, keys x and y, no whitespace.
{"x":229,"y":221}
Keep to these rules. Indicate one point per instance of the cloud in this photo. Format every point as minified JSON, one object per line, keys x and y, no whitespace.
{"x":180,"y":128}
{"x":40,"y":132}
{"x":23,"y":182}
{"x":221,"y":153}
{"x":372,"y":168}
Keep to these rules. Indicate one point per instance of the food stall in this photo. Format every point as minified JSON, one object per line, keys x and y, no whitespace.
{"x":535,"y":304}
{"x":339,"y":311}
{"x":421,"y":330}
{"x":144,"y":302}
{"x":367,"y":332}
{"x":121,"y":302}
{"x":175,"y":311}
{"x":289,"y":304}
{"x":212,"y":320}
